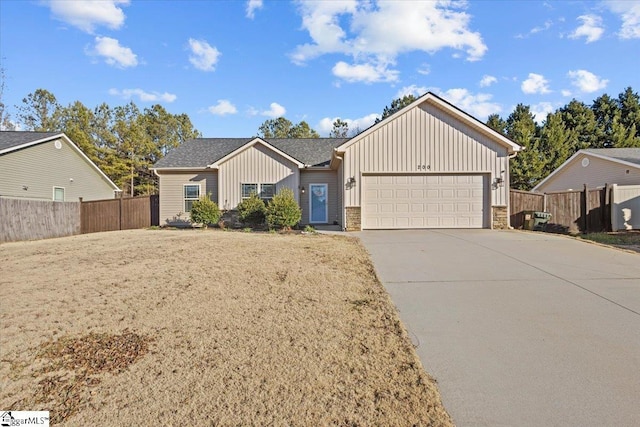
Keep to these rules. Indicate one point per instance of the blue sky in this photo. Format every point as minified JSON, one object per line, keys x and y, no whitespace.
{"x":232,"y":65}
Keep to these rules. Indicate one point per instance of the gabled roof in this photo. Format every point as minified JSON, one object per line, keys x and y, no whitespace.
{"x":434,"y":99}
{"x":630,"y":155}
{"x":201,"y":152}
{"x":14,"y":140}
{"x":17,"y":140}
{"x":627,"y":157}
{"x":251,"y":143}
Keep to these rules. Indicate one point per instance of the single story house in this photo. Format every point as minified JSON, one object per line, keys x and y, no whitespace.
{"x":429,"y":165}
{"x":594,"y":167}
{"x":49,"y":166}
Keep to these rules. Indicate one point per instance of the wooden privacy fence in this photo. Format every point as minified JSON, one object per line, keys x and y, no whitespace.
{"x":22,"y":219}
{"x":119,"y":214}
{"x":586,"y":210}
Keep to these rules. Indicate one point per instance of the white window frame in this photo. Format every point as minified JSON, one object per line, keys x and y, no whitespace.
{"x":242,"y":184}
{"x":267,"y":199}
{"x":186,"y":199}
{"x":326,"y":205}
{"x":258,"y":190}
{"x":63,"y":194}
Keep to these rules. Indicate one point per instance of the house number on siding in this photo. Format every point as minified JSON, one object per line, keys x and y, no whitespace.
{"x":424,"y":167}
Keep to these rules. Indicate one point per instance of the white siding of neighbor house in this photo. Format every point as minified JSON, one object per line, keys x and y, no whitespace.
{"x":172,"y":193}
{"x":328,"y":177}
{"x":42,"y":166}
{"x":598,"y":173}
{"x":256,"y":164}
{"x":426,"y":135}
{"x":340,"y":190}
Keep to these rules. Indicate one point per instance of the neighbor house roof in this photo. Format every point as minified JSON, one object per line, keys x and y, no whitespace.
{"x":631,"y":155}
{"x":202,"y":152}
{"x":442,"y":104}
{"x":14,"y":140}
{"x":623,"y":156}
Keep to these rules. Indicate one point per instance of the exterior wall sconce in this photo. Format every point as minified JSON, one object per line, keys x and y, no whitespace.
{"x":301,"y":188}
{"x":499,"y":182}
{"x":351,"y":181}
{"x":25,"y":187}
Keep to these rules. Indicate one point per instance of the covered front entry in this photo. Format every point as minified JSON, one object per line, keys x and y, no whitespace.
{"x":425,"y":201}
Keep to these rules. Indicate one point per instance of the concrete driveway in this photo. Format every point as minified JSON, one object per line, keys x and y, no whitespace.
{"x":519,"y":329}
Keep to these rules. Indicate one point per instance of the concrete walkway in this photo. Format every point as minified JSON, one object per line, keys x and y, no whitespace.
{"x":519,"y":329}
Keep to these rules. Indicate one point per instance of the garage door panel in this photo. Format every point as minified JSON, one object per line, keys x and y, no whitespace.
{"x":424,"y":201}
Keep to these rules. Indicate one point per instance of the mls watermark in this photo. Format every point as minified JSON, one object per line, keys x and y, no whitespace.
{"x":24,"y":418}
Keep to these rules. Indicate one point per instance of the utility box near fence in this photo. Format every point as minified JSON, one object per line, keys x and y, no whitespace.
{"x":535,"y":221}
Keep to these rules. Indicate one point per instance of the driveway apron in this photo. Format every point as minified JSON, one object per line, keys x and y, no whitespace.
{"x":519,"y":329}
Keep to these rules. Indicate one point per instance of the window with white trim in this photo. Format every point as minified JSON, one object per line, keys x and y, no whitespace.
{"x":248,"y":190}
{"x":264,"y":191}
{"x":191,"y":194}
{"x":58,"y":194}
{"x":267,"y":191}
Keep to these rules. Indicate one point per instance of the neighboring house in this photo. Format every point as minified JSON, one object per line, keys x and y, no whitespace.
{"x":48,"y":166}
{"x":430,"y":165}
{"x":594,"y":167}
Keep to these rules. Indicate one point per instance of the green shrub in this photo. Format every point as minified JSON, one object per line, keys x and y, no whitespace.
{"x":309,"y":229}
{"x":252,"y":210}
{"x":205,"y":211}
{"x":283,"y":211}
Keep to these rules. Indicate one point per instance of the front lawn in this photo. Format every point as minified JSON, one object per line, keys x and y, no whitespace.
{"x":160,"y":327}
{"x":622,"y":239}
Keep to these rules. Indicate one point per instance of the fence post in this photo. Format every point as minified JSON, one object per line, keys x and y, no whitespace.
{"x":585,"y":213}
{"x":120,"y":212}
{"x":606,"y":208}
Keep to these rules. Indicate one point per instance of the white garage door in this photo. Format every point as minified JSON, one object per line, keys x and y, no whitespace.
{"x":423,"y":201}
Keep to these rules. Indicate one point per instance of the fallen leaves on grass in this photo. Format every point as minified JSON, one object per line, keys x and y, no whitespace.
{"x":74,"y":364}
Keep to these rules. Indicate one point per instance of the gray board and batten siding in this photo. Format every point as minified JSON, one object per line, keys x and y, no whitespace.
{"x":31,"y":171}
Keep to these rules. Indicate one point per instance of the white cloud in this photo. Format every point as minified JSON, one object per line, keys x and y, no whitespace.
{"x":629,"y":12}
{"x":275,"y":110}
{"x":547,"y":24}
{"x":143,"y":96}
{"x":414,"y":90}
{"x":487,"y":80}
{"x":565,"y":92}
{"x":478,"y":105}
{"x":222,"y":108}
{"x":113,"y":53}
{"x":203,"y":56}
{"x":362,"y":123}
{"x":252,"y":6}
{"x":425,"y":69}
{"x":540,"y":111}
{"x":87,"y":14}
{"x":367,"y":73}
{"x":374,"y":34}
{"x":586,"y":81}
{"x":536,"y":83}
{"x":591,"y":28}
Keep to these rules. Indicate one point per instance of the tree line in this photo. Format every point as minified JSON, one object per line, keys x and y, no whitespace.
{"x":123,"y":141}
{"x":606,"y":123}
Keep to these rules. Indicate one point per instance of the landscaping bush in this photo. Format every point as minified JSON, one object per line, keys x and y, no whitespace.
{"x":205,"y":211}
{"x":283,"y":211}
{"x":252,"y":210}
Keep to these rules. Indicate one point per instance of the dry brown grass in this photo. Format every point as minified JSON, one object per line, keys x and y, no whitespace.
{"x":208,"y":328}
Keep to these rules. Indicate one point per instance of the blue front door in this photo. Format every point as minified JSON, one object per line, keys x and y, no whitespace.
{"x":318,"y":204}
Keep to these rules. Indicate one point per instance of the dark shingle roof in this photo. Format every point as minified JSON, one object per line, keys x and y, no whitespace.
{"x":631,"y":155}
{"x":201,"y":152}
{"x":9,"y":139}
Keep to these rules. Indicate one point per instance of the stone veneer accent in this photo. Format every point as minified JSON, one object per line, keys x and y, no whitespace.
{"x":353,"y":218}
{"x":499,"y":218}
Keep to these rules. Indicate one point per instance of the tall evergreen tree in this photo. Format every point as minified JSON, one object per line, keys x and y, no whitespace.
{"x":629,"y":103}
{"x":495,"y":122}
{"x":527,"y":167}
{"x":579,"y":119}
{"x":40,"y":112}
{"x":340,"y":129}
{"x":555,"y":143}
{"x":605,"y":109}
{"x":396,"y":105}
